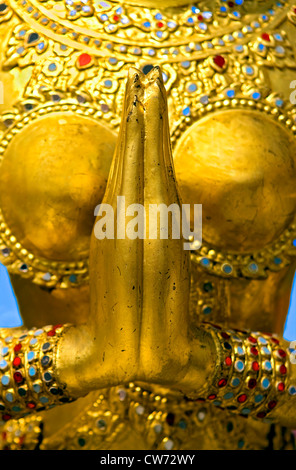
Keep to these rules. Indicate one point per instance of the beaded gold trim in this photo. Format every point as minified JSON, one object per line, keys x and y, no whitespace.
{"x":252,"y":374}
{"x":28,"y":379}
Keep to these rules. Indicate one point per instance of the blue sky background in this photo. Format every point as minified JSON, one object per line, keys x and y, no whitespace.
{"x":9,"y":314}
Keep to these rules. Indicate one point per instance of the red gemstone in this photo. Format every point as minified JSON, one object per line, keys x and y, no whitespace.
{"x":31,"y":405}
{"x":254,"y":351}
{"x":276,"y":341}
{"x":255,"y":366}
{"x":225,"y":335}
{"x":219,"y":61}
{"x":272,"y":404}
{"x":294,"y":10}
{"x":160,"y":24}
{"x":51,"y":333}
{"x":222,"y":383}
{"x":116,"y":18}
{"x":18,"y":377}
{"x":282,"y":353}
{"x":84,"y":60}
{"x":281,"y":387}
{"x":252,"y":339}
{"x":231,"y":4}
{"x":283,"y":369}
{"x":252,"y":383}
{"x":6,"y":417}
{"x":22,"y":439}
{"x":17,"y":347}
{"x":200,"y":18}
{"x":242,"y":398}
{"x":17,"y":362}
{"x":4,"y":435}
{"x":212,"y":397}
{"x":55,"y":327}
{"x":262,"y":414}
{"x":228,"y":361}
{"x":265,"y":37}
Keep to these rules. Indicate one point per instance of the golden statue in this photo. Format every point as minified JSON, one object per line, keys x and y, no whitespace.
{"x":150,"y":346}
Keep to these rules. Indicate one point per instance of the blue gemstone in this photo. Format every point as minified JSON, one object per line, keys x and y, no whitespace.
{"x":230,"y":93}
{"x":147,"y":24}
{"x":205,"y":262}
{"x":246,"y":411}
{"x":3,"y":364}
{"x":20,"y":50}
{"x":266,"y":351}
{"x":41,"y":46}
{"x":32,"y":371}
{"x":4,"y":351}
{"x":239,"y":365}
{"x":261,"y":48}
{"x":207,"y":15}
{"x":108,"y":83}
{"x":236,"y":14}
{"x":151,"y":52}
{"x":22,"y":33}
{"x":217,"y":403}
{"x":119,"y":11}
{"x":113,"y":60}
{"x":204,"y":99}
{"x":198,"y":47}
{"x":172,"y":24}
{"x":43,"y":400}
{"x":228,"y":395}
{"x":203,"y":26}
{"x":37,"y":388}
{"x":250,"y":70}
{"x":192,"y":87}
{"x":16,"y":409}
{"x":223,"y":9}
{"x":278,"y":37}
{"x":195,"y":10}
{"x":31,"y":356}
{"x":104,"y":17}
{"x":280,"y":50}
{"x":186,"y":111}
{"x":264,"y":17}
{"x":5,"y":380}
{"x":159,"y":34}
{"x":258,"y":398}
{"x":73,"y":277}
{"x":277,"y":260}
{"x":265,"y":383}
{"x":267,"y":366}
{"x":239,"y":48}
{"x":292,"y":390}
{"x":262,"y":340}
{"x":33,"y":341}
{"x":235,"y":382}
{"x":38,"y":332}
{"x":158,"y":16}
{"x":185,"y":64}
{"x":239,"y":2}
{"x":240,"y":444}
{"x":240,"y":351}
{"x":182,"y":424}
{"x":207,"y":310}
{"x":165,"y":77}
{"x":256,"y":95}
{"x":9,"y":397}
{"x":52,"y":67}
{"x":227,"y":268}
{"x":190,"y":20}
{"x":294,"y":243}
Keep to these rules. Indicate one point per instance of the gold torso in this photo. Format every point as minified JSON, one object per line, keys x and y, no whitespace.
{"x":228,"y":75}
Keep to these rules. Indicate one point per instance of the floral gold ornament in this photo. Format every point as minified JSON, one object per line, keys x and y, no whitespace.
{"x":162,"y":354}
